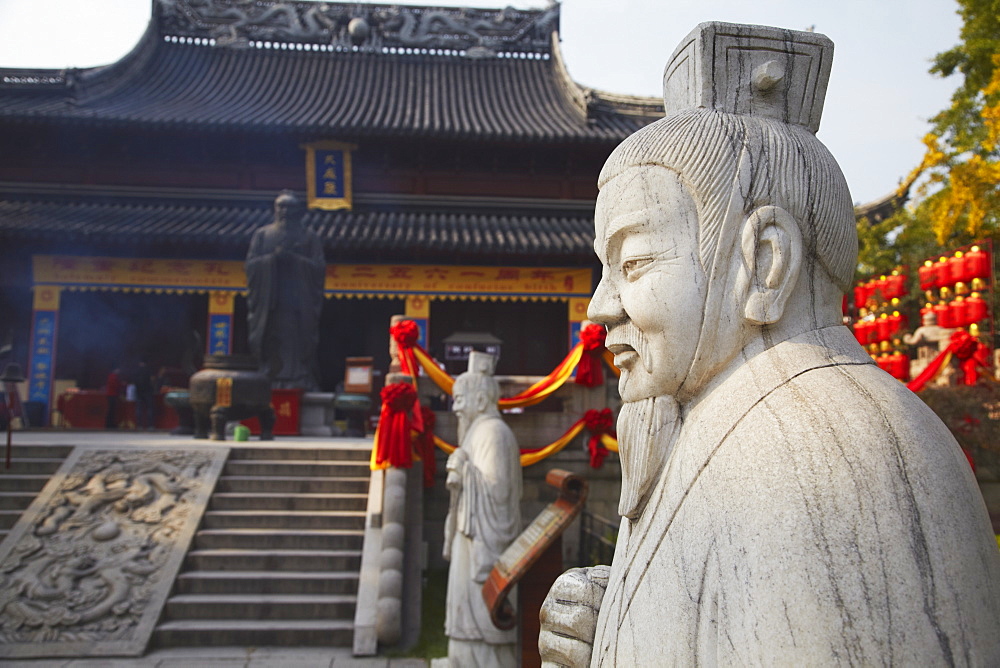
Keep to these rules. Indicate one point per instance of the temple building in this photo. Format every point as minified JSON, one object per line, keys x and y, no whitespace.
{"x":449,"y":161}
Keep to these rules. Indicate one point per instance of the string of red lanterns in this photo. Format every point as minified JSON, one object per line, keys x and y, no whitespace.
{"x":956,"y":290}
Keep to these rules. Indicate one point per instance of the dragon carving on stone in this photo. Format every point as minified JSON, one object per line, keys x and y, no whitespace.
{"x":84,"y":565}
{"x":235,"y":23}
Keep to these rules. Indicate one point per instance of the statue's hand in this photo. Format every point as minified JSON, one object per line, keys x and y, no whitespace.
{"x":569,"y":617}
{"x":453,"y":482}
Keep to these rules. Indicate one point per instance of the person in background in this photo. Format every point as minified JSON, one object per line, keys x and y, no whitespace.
{"x":144,"y":410}
{"x":112,"y":391}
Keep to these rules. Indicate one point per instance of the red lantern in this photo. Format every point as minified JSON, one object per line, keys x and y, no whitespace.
{"x":895,"y":285}
{"x":975,"y":308}
{"x":977,"y":264}
{"x":899,"y":366}
{"x":943,"y":272}
{"x":863,"y":331}
{"x":957,"y":269}
{"x":883,"y":328}
{"x":879,"y":287}
{"x":959,"y":314}
{"x":884,"y":362}
{"x":897,"y":322}
{"x":860,"y":296}
{"x":927,"y":275}
{"x":943,"y":313}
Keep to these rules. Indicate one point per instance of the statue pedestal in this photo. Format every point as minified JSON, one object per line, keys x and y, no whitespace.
{"x":316,"y":414}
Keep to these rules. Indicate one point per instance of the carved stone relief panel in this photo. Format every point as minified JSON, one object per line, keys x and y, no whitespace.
{"x":89,"y":565}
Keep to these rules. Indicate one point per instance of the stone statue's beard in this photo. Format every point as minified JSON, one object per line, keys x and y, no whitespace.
{"x":463,"y":426}
{"x":647,"y":430}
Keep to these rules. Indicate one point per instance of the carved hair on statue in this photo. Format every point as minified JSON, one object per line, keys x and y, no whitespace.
{"x":747,"y":141}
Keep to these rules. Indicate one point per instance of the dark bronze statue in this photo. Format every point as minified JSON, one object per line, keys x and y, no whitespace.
{"x":285,"y":273}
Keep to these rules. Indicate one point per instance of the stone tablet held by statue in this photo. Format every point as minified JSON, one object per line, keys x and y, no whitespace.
{"x":285,"y":274}
{"x":784,"y":501}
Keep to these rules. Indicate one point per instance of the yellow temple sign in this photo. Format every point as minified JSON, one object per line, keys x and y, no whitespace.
{"x":342,"y":280}
{"x":328,"y":175}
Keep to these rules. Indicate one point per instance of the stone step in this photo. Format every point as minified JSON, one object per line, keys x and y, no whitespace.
{"x":254,"y":633}
{"x":351,"y":454}
{"x":286,"y":467}
{"x":34,"y":451}
{"x":278,"y":539}
{"x":273,"y":560}
{"x":291,"y":484}
{"x":23,"y":483}
{"x":261,"y":606}
{"x":16,"y":500}
{"x":284,"y":519}
{"x":265,"y":582}
{"x":8,"y":518}
{"x":338,"y":501}
{"x":33,"y":466}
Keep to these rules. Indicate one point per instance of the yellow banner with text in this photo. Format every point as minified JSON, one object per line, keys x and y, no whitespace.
{"x":376,"y":280}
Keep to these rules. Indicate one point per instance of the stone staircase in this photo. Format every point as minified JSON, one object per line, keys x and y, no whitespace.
{"x":276,"y":559}
{"x":32,"y":466}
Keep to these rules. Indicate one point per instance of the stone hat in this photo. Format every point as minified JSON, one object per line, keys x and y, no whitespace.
{"x":482,"y":363}
{"x":752,"y":71}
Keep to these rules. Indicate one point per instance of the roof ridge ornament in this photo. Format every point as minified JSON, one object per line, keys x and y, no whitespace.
{"x":361,"y":26}
{"x":750,"y":70}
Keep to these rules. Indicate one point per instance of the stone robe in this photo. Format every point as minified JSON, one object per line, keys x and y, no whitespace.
{"x":486,"y":519}
{"x":813,"y":511}
{"x":284,"y":302}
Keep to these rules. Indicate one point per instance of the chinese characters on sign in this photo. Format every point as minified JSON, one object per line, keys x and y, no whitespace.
{"x":341,"y":279}
{"x":42,"y":346}
{"x":328,"y":175}
{"x":220,"y":334}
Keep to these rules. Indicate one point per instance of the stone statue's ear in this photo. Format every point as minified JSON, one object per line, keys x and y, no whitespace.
{"x":772,"y":253}
{"x":482,"y":402}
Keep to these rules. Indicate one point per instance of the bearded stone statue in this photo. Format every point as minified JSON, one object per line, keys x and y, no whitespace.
{"x":784,"y":502}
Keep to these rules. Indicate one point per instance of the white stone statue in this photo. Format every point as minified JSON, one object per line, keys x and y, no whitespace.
{"x":784,"y":501}
{"x":484,"y":478}
{"x":930,"y":339}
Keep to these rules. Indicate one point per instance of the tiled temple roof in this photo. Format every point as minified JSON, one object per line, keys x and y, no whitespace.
{"x":347,"y":236}
{"x":337,"y":69}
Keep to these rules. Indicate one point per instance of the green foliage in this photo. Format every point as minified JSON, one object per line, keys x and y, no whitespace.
{"x":960,"y":198}
{"x":433,"y":643}
{"x":961,"y":126}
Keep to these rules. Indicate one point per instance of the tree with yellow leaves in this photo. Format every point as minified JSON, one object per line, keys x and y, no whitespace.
{"x":958,"y":198}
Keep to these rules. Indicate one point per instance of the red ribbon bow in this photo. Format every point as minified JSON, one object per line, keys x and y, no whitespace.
{"x":971,"y":354}
{"x":589,"y":371}
{"x":598,"y":423}
{"x":425,"y":445}
{"x":406,"y":333}
{"x":395,"y":423}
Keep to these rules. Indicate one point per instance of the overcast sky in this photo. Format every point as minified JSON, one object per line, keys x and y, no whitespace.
{"x":877,"y":106}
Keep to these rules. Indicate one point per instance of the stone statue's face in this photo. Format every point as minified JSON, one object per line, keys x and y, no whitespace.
{"x":653,"y":289}
{"x":287,"y":211}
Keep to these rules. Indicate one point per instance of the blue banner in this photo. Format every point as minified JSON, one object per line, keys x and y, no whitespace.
{"x":330,"y":173}
{"x":220,"y":334}
{"x":42,"y":357}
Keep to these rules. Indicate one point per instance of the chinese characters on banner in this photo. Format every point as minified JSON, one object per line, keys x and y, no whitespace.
{"x":220,"y":323}
{"x":42,"y":356}
{"x":405,"y":280}
{"x":220,"y":334}
{"x":328,"y":175}
{"x":501,"y":282}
